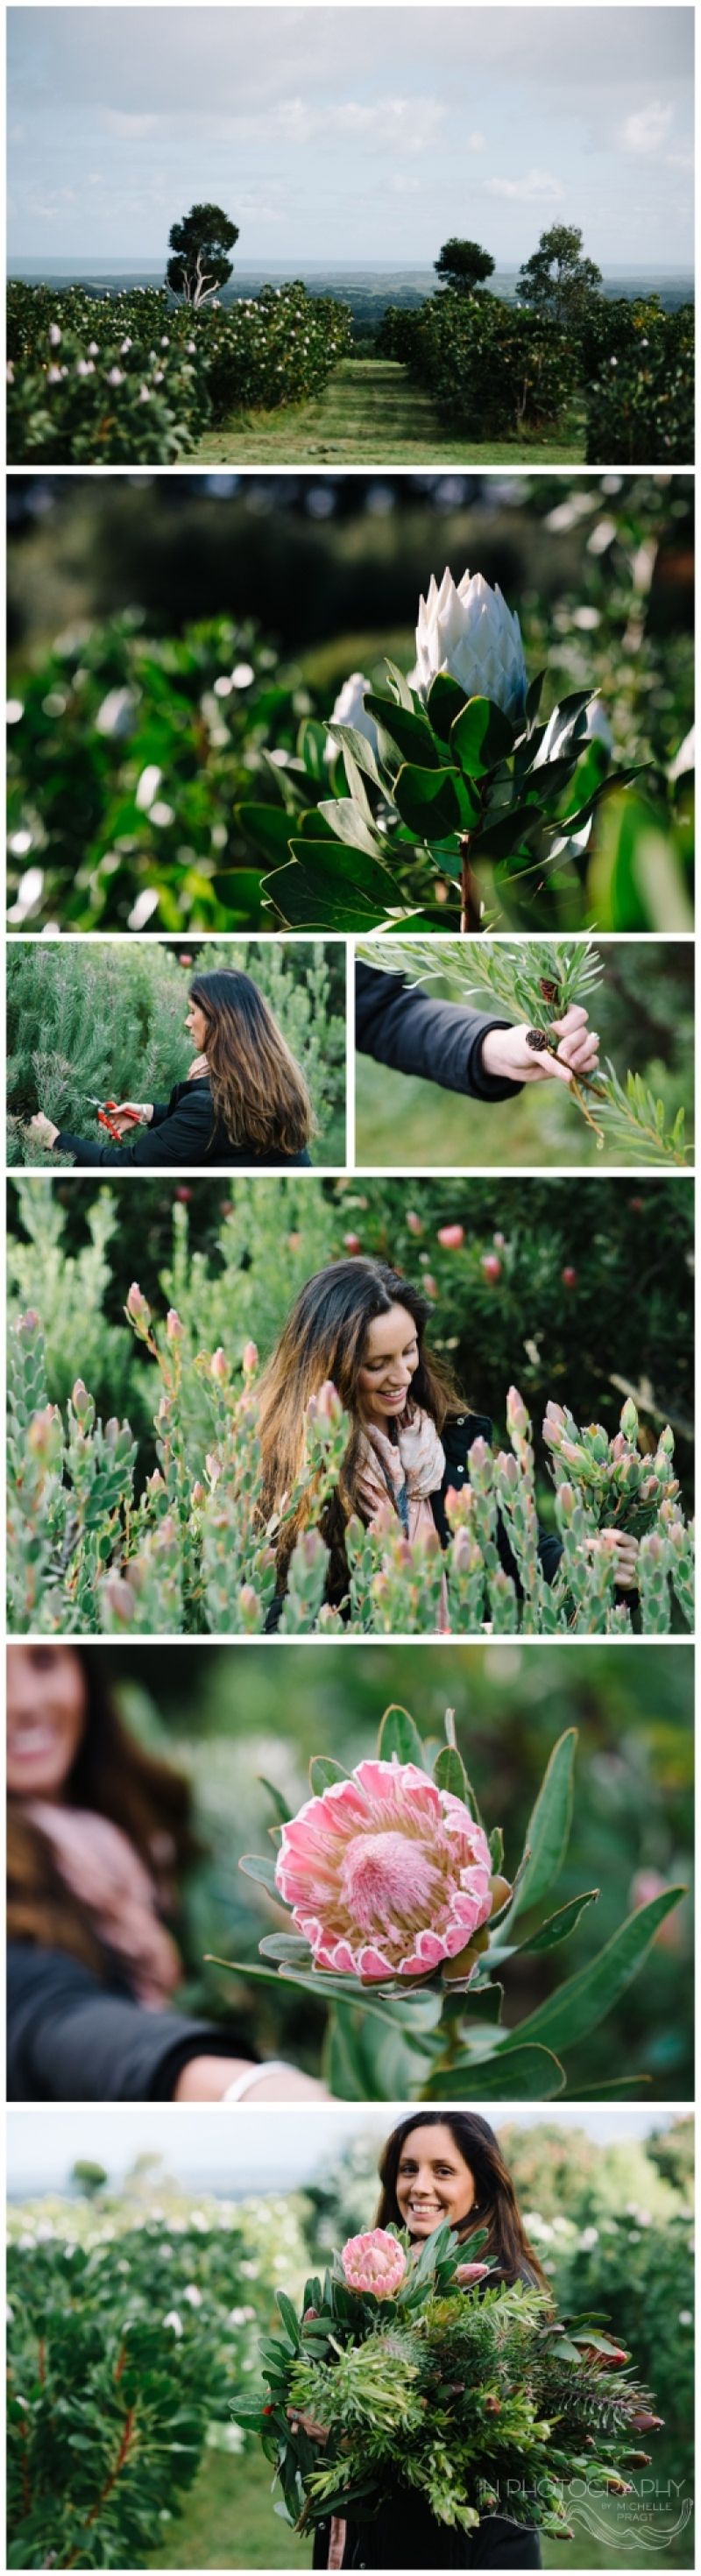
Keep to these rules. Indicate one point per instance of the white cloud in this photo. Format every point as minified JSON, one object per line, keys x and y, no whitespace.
{"x":115,"y":121}
{"x":404,"y":186}
{"x":477,"y":143}
{"x":647,"y":129}
{"x":538,"y":186}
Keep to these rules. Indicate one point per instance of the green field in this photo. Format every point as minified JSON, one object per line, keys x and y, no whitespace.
{"x":369,"y":414}
{"x":230,"y":2521}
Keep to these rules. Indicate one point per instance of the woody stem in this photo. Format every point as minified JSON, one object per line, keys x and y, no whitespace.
{"x":470,"y":908}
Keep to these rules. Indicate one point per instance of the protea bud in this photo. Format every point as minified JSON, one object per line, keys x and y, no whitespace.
{"x":174,"y":1329}
{"x":349,"y":709}
{"x":249,"y":1358}
{"x":466,"y":630}
{"x":219,"y":1366}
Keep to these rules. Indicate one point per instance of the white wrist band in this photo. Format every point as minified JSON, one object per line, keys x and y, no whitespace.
{"x":253,"y":2075}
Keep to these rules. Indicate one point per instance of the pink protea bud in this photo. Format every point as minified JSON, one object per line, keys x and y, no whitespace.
{"x":80,"y":1399}
{"x":119,"y":1598}
{"x":45,"y":1435}
{"x":219,"y":1366}
{"x":174,"y":1329}
{"x":491,"y":1267}
{"x":643,"y":2422}
{"x":198,"y":1495}
{"x":567,"y":1500}
{"x":326,"y":1406}
{"x":155,"y":1484}
{"x":249,"y":1359}
{"x":213,"y":1467}
{"x":414,"y":1224}
{"x":28,"y":1325}
{"x":386,"y":1874}
{"x":352,"y":1243}
{"x":430,"y":1284}
{"x":249,"y":1607}
{"x":138,"y":1309}
{"x":374,"y":2264}
{"x":451,"y":1237}
{"x":516,"y":1412}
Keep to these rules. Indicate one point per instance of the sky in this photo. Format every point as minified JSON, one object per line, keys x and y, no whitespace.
{"x":279,"y":2152}
{"x":351,"y":134}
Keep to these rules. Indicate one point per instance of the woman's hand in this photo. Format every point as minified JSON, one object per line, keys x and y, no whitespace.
{"x":507,"y":1054}
{"x":131,"y":1113}
{"x":626,"y":1561}
{"x":308,"y":2424}
{"x":42,"y":1129}
{"x":206,"y":2079}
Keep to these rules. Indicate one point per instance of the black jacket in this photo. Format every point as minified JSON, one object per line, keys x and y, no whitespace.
{"x":72,"y":2039}
{"x":442,"y":1041}
{"x":181,"y":1131}
{"x":457,"y":1437}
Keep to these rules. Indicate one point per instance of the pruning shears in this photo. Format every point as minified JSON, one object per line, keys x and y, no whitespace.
{"x":107,"y":1110}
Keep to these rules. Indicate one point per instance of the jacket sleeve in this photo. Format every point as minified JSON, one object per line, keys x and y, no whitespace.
{"x":442,"y":1041}
{"x":181,"y":1137}
{"x":72,"y":2039}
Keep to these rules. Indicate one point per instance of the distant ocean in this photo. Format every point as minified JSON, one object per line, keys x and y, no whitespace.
{"x":361,"y":284}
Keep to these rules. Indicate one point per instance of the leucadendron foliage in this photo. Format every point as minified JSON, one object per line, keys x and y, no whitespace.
{"x":381,"y":1866}
{"x":465,"y":800}
{"x":538,"y":981}
{"x":195,"y":1553}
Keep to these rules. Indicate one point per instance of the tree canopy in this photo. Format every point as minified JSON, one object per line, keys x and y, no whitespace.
{"x":463,"y":265}
{"x":201,"y":243}
{"x":557,"y":280}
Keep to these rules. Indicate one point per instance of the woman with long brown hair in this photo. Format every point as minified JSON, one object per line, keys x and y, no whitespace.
{"x":245,"y":1099}
{"x":438,"y":2166}
{"x":362,"y":1326}
{"x":99,"y":1833}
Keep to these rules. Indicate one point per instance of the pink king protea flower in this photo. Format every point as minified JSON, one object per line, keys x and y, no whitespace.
{"x":386,"y":1874}
{"x":375,"y":2263}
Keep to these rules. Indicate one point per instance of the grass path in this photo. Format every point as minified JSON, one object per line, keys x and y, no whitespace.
{"x":369,"y":414}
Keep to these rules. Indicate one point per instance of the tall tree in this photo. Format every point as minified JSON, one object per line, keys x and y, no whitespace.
{"x":463,"y":264}
{"x":557,"y":280}
{"x":201,"y":242}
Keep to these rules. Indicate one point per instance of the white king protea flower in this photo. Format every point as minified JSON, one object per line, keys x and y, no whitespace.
{"x":350,"y":710}
{"x":466,"y":630}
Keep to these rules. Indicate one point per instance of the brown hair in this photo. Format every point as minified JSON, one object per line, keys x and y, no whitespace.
{"x":116,"y":1777}
{"x":495,"y":2206}
{"x":259,"y":1095}
{"x":324,"y":1338}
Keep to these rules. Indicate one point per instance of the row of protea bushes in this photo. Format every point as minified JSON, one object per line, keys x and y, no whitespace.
{"x":134,"y":376}
{"x":497,"y":371}
{"x":194,"y":1553}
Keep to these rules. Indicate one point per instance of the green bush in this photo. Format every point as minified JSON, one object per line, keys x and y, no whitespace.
{"x":128,"y":2341}
{"x":109,"y":1021}
{"x":88,"y":385}
{"x":493,"y":370}
{"x":640,"y":386}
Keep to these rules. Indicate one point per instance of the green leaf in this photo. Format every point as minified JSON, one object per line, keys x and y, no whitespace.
{"x":565,"y":725}
{"x":402,"y":685}
{"x":443,"y":704}
{"x":485,"y":2003}
{"x":347,"y":739}
{"x":559,"y":1925}
{"x":449,"y":1773}
{"x":364,"y":2062}
{"x":311,"y":745}
{"x":548,"y":1831}
{"x":585,"y":1999}
{"x":533,"y":698}
{"x":329,"y":887}
{"x":258,"y":1865}
{"x":410,"y":733}
{"x":428,"y":801}
{"x":512,"y":2074}
{"x":267,"y":825}
{"x":399,"y":1735}
{"x":348,"y":822}
{"x":287,"y":1946}
{"x":496,"y":1851}
{"x":282,"y":1811}
{"x":323,"y":1772}
{"x":290,"y":2318}
{"x":481,"y":736}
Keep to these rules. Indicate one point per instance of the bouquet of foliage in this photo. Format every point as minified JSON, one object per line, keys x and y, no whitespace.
{"x":401,"y":1922}
{"x":435,"y":2379}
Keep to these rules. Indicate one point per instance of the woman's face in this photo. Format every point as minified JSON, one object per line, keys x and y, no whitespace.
{"x":47,"y":1701}
{"x":433,"y":2182}
{"x":389,"y":1362}
{"x":196,"y":1026}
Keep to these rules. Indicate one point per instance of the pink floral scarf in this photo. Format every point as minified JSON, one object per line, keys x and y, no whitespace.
{"x":407,"y":1470}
